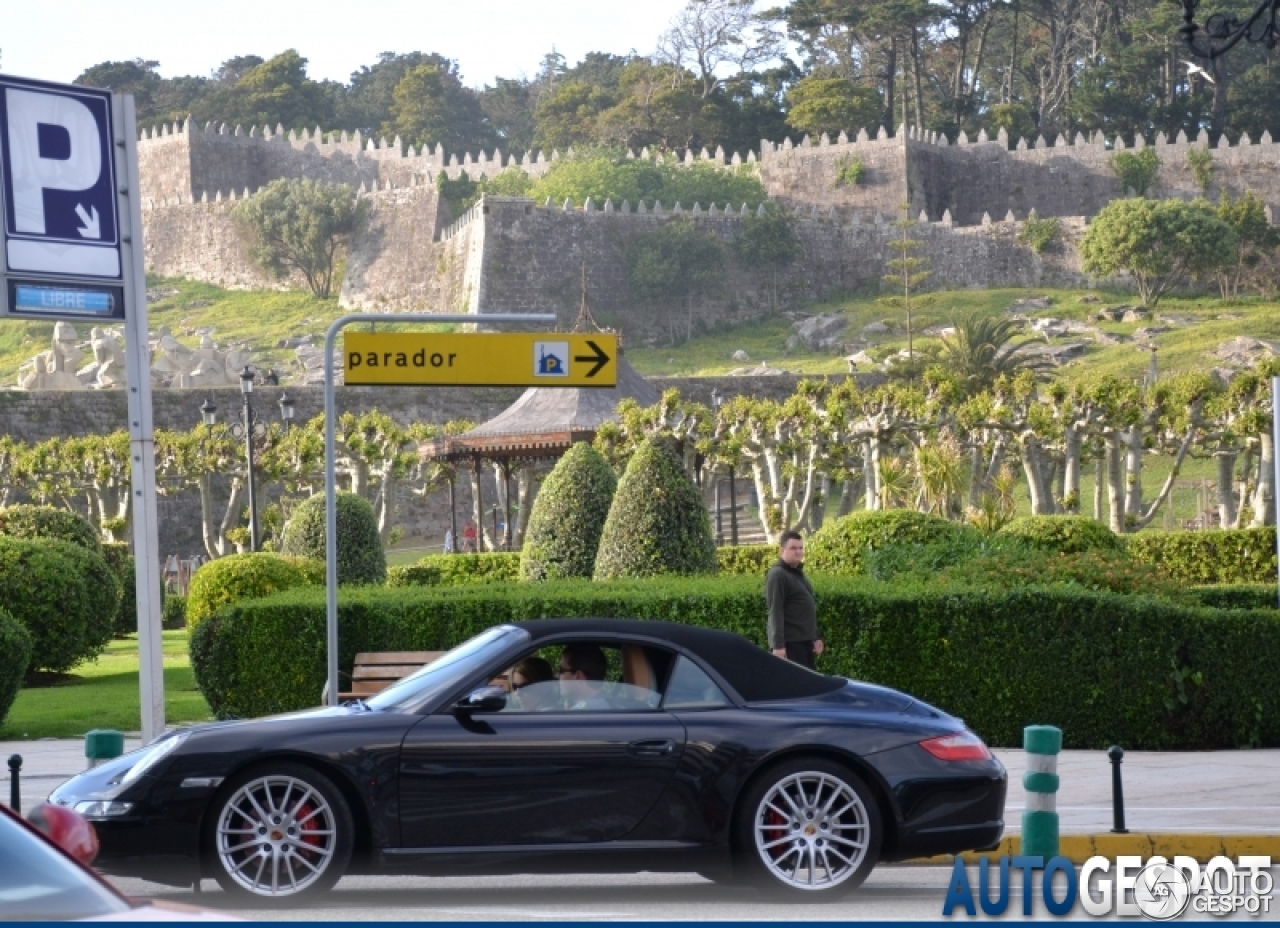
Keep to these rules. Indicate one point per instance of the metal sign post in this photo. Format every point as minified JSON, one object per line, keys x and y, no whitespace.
{"x":330,"y":470}
{"x":71,"y":224}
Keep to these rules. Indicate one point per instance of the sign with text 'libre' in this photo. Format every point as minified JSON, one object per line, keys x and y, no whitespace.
{"x":59,"y":197}
{"x":480,"y":359}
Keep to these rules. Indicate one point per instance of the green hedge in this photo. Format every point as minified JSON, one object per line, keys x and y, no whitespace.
{"x":1066,"y":534}
{"x":15,"y":655}
{"x":1105,"y":668}
{"x":464,"y":569}
{"x":1242,"y":596}
{"x":1222,"y":556}
{"x":839,"y":545}
{"x":754,"y":560}
{"x":413,"y":575}
{"x":243,"y":576}
{"x":173,"y":613}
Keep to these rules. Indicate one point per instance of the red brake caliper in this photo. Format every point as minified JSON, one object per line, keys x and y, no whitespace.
{"x":778,"y":824}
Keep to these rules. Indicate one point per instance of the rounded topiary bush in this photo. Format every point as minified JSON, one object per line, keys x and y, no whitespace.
{"x":1065,"y":534}
{"x":45,"y":585}
{"x":25,"y":521}
{"x":361,"y":558}
{"x":568,"y":517}
{"x":838,"y":546}
{"x":173,"y":614}
{"x":102,"y":585}
{"x":240,"y":576}
{"x":15,"y":655}
{"x":657,"y":523}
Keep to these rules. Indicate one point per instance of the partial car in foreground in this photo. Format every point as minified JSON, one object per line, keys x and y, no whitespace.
{"x":44,"y":877}
{"x":615,"y":746}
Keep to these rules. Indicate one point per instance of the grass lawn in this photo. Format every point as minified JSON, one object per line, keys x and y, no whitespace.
{"x":104,"y":694}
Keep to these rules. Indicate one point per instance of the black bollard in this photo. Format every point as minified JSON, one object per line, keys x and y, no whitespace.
{"x":1116,"y":753}
{"x":15,"y":792}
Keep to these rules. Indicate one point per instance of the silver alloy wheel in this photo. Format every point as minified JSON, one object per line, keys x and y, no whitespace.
{"x":276,"y":836}
{"x":812,"y":830}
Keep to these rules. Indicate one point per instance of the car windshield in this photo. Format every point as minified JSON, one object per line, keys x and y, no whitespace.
{"x":39,"y":883}
{"x":418,"y":689}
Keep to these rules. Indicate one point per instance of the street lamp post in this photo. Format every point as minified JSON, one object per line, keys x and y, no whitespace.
{"x":286,"y":411}
{"x":249,"y":425}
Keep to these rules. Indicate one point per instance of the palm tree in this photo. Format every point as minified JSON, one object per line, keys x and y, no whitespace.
{"x":982,"y":350}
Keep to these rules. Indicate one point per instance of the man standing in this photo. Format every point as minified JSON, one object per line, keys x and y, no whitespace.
{"x":793,"y":611}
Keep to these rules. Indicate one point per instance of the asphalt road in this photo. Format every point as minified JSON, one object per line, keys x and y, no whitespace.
{"x":911,"y":892}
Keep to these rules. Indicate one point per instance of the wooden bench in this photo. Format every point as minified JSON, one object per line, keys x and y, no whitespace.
{"x":374,"y":671}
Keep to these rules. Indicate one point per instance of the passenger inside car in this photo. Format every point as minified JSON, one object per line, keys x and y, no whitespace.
{"x":533,"y":685}
{"x":597,"y":677}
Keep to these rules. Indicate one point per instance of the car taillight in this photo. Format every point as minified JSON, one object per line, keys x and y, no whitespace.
{"x":962,"y":746}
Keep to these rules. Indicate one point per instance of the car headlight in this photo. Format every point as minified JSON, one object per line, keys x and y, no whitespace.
{"x":152,"y":756}
{"x":102,"y":808}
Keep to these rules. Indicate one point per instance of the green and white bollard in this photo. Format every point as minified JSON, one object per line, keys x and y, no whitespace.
{"x":103,"y":744}
{"x":1042,"y":743}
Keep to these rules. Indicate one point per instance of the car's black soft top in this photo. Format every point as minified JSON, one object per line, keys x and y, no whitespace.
{"x":753,"y":672}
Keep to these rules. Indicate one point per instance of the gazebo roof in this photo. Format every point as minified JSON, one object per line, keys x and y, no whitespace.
{"x":545,"y":421}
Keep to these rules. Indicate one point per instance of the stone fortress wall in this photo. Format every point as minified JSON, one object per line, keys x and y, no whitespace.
{"x":513,"y":255}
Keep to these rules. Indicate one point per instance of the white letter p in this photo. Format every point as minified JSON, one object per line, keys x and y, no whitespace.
{"x":34,"y":173}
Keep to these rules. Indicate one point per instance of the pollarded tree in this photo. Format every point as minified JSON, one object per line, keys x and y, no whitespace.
{"x":299,"y":225}
{"x":1159,"y":243}
{"x":568,"y":517}
{"x":657,"y":523}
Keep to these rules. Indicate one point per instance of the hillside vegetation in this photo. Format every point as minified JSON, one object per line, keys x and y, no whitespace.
{"x":1193,"y":328}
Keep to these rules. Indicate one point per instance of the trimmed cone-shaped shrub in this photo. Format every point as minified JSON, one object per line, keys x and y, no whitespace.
{"x":121,"y":561}
{"x":15,"y":654}
{"x":568,"y":516}
{"x":46,"y":585}
{"x":361,"y":558}
{"x":657,"y":523}
{"x":838,"y":546}
{"x":1064,"y":534}
{"x":235,"y":577}
{"x":25,"y":521}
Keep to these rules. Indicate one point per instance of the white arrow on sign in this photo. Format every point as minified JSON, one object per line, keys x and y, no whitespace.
{"x":91,"y":227}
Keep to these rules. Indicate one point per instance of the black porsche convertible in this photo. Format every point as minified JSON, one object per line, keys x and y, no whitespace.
{"x":559,"y":745}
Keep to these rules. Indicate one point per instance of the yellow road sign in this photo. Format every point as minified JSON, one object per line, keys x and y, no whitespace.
{"x":488,"y":359}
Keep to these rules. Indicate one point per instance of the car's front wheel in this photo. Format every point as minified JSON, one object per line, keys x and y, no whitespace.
{"x":809,"y":827}
{"x":280,"y":833}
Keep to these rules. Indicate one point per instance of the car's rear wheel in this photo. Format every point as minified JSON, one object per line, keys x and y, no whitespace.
{"x":281,"y":832}
{"x":809,"y":828}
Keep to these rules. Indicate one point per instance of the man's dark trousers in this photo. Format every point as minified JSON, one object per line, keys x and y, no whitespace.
{"x":801,"y":652}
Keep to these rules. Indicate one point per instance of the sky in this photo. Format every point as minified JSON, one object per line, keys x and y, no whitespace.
{"x":56,"y":40}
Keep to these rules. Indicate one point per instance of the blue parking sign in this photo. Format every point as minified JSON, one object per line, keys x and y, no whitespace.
{"x":57,"y":178}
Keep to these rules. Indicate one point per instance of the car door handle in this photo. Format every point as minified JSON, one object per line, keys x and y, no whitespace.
{"x":651,"y":748}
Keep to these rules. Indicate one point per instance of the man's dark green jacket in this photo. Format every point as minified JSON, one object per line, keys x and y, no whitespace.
{"x":793,"y":610}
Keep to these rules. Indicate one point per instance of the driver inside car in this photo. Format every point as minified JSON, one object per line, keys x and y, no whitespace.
{"x":582,"y":671}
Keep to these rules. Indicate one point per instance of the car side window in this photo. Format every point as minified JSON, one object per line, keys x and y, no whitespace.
{"x":586,"y":676}
{"x":691,"y":688}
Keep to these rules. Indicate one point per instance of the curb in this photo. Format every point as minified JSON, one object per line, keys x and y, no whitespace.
{"x":1079,"y":848}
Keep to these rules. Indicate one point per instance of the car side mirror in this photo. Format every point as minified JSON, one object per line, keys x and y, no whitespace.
{"x":484,"y":699}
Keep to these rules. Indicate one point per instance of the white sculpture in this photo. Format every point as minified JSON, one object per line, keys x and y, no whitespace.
{"x":54,"y":369}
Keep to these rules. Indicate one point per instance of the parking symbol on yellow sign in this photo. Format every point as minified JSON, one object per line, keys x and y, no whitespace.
{"x":480,"y":359}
